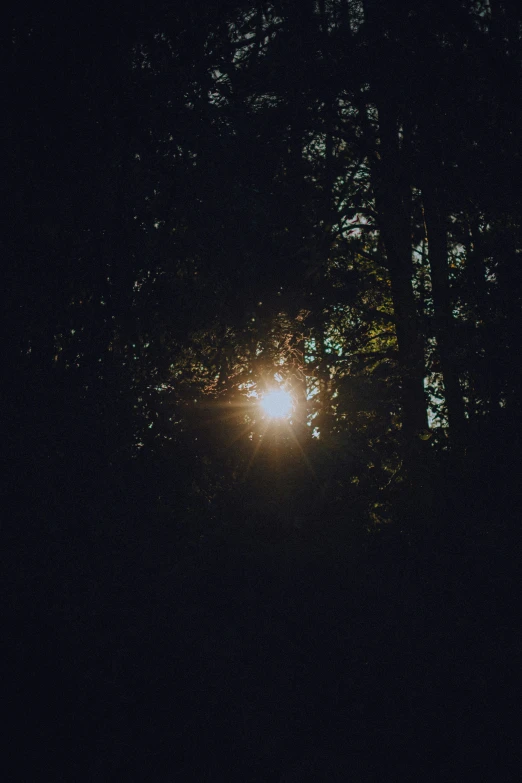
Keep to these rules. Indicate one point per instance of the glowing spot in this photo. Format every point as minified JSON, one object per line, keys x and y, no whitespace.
{"x":277,"y":404}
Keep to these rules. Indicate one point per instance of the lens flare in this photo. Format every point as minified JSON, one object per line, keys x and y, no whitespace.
{"x":277,"y":404}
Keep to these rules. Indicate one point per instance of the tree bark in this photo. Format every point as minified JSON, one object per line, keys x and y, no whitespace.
{"x":393,"y":203}
{"x":409,"y":338}
{"x":435,"y":221}
{"x":299,"y":389}
{"x":489,"y":381}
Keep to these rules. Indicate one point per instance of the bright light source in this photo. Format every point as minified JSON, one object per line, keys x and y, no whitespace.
{"x":277,"y":404}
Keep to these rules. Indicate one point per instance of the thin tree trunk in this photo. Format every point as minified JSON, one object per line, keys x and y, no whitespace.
{"x":434,"y":217}
{"x":490,"y":380}
{"x":409,"y":338}
{"x":393,"y":203}
{"x":299,"y":390}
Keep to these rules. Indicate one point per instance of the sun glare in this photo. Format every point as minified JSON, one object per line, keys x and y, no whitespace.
{"x":277,"y":404}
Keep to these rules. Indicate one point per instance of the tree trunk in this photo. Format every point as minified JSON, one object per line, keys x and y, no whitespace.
{"x":489,"y":380}
{"x":299,"y":390}
{"x":409,"y":338}
{"x":393,"y":202}
{"x":444,"y":322}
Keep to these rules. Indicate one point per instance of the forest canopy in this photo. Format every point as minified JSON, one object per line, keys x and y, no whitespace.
{"x":214,"y":200}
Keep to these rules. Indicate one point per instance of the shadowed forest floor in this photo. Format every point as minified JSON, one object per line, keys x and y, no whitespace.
{"x":264,"y":654}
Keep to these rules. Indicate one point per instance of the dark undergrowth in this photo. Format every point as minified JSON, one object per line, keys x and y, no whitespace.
{"x":327,"y":642}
